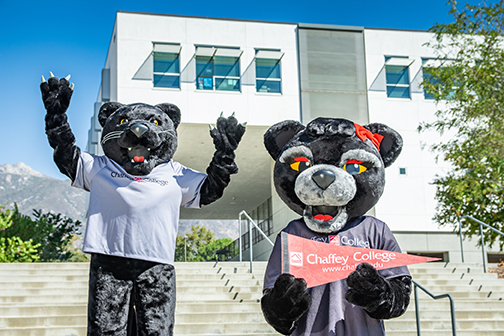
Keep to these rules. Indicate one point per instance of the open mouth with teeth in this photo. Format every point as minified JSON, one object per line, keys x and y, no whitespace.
{"x":139,"y":154}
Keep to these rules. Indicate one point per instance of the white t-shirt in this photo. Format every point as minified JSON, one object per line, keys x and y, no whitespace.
{"x":135,"y":216}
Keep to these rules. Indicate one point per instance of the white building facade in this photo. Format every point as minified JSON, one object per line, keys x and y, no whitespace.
{"x":266,"y":72}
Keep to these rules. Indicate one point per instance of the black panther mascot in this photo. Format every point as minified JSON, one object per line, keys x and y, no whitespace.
{"x":331,"y":172}
{"x":136,"y":191}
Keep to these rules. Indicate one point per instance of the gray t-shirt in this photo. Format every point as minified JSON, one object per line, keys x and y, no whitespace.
{"x":330,"y":313}
{"x":135,"y":216}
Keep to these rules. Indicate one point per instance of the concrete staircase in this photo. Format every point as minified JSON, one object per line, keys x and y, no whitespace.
{"x":478,"y":297}
{"x":49,"y":299}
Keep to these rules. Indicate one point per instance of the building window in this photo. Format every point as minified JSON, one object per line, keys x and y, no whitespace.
{"x":166,"y":65}
{"x":218,"y":68}
{"x":427,"y":76}
{"x":397,"y":77}
{"x":435,"y":63}
{"x":268,"y":71}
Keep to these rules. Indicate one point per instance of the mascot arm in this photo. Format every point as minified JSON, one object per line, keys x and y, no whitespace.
{"x":381,"y":298}
{"x":285,"y":303}
{"x":56,"y":94}
{"x":226,"y":137}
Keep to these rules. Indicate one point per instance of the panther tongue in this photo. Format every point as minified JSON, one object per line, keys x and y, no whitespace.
{"x":323,"y":217}
{"x":138,"y":154}
{"x":324,"y":212}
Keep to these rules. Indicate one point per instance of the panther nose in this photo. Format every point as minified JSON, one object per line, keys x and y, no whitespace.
{"x":139,"y":129}
{"x":323,"y":178}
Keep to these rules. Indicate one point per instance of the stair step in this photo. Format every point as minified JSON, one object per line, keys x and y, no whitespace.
{"x":35,"y":321}
{"x":217,"y":328}
{"x":77,"y":330}
{"x":53,"y":310}
{"x":448,"y":332}
{"x":480,"y":324}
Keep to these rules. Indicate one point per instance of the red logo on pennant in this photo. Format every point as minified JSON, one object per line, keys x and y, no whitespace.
{"x":320,"y":263}
{"x":296,"y":259}
{"x":334,"y":240}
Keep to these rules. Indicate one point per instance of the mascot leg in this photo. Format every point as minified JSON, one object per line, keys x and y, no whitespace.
{"x":117,"y":284}
{"x":109,"y":297}
{"x":155,"y":301}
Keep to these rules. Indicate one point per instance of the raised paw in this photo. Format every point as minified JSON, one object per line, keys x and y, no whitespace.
{"x":227,"y":133}
{"x":56,"y":94}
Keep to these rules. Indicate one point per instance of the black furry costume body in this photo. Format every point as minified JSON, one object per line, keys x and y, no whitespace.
{"x":332,"y":172}
{"x":131,"y":296}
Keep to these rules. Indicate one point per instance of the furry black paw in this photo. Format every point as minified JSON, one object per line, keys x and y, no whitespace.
{"x":366,"y":287}
{"x":228,"y":133}
{"x":56,"y":94}
{"x":285,"y":303}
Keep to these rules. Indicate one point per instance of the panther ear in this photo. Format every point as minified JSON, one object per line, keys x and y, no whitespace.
{"x":106,"y":110}
{"x":391,"y":144}
{"x":173,"y":112}
{"x":277,"y":136}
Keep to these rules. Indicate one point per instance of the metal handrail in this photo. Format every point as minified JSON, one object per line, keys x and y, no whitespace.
{"x":435,"y":297}
{"x":250,"y":220}
{"x":482,"y":237}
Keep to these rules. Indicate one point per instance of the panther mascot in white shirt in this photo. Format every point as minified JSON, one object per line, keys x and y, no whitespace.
{"x":136,"y":191}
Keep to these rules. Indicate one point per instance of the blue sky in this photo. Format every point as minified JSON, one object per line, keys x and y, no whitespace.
{"x":72,"y":37}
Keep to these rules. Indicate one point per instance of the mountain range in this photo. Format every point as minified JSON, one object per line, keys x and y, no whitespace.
{"x":30,"y":190}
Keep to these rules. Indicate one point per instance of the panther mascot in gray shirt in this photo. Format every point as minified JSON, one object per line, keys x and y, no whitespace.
{"x":331,"y":172}
{"x":136,"y":191}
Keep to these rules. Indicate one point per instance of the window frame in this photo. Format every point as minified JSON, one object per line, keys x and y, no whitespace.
{"x":213,"y":54}
{"x":168,"y":49}
{"x":398,"y":62}
{"x":275,"y":55}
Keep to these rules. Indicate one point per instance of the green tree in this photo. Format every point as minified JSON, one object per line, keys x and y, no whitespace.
{"x":207,"y":251}
{"x":53,"y":233}
{"x":199,"y":245}
{"x":467,"y":83}
{"x":199,"y":237}
{"x":14,"y":249}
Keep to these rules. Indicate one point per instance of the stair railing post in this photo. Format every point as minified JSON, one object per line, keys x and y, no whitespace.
{"x":240,"y":236}
{"x":461,"y":240}
{"x":417,"y":309}
{"x":250,"y":244}
{"x":452,"y":309}
{"x":483,"y":248}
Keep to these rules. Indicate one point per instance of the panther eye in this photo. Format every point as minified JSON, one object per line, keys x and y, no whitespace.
{"x":155,"y":122}
{"x":354,"y":167}
{"x":300,"y":163}
{"x":123,"y":121}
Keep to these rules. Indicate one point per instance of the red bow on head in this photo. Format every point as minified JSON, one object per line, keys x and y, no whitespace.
{"x":364,"y":133}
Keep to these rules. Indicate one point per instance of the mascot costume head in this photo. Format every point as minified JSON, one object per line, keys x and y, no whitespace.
{"x":136,"y":191}
{"x":332,"y":172}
